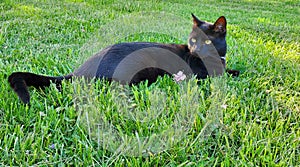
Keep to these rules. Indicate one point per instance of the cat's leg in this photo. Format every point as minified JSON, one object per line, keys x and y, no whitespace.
{"x":234,"y":73}
{"x":20,"y":81}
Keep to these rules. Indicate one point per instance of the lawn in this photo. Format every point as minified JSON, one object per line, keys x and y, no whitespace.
{"x":251,"y":120}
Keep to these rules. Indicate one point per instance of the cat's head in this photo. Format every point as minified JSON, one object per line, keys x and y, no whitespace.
{"x":205,"y":33}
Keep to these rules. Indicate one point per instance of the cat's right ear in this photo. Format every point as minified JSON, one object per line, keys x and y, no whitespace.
{"x":220,"y":25}
{"x":196,"y":21}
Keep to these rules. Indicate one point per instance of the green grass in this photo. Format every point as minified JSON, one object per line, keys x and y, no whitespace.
{"x":259,"y":127}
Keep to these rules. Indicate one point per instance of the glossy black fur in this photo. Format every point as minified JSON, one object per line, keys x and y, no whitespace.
{"x":216,"y":33}
{"x":118,"y":52}
{"x":20,"y":81}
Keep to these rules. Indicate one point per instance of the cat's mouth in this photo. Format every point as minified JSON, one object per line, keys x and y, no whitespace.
{"x":194,"y":49}
{"x":197,"y":52}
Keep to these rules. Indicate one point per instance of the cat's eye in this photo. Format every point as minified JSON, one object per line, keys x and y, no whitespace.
{"x":193,"y":40}
{"x":208,"y":41}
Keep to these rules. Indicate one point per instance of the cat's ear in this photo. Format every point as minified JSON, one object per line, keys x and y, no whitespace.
{"x":220,"y":25}
{"x":196,"y":21}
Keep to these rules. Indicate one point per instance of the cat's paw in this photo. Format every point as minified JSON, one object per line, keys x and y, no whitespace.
{"x":234,"y":73}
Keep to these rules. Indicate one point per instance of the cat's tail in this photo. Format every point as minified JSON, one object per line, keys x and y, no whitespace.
{"x":20,"y":81}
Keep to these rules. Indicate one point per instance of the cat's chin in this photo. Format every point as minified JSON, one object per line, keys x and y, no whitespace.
{"x":195,"y":54}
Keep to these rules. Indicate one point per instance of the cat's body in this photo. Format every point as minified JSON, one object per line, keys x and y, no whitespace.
{"x":142,"y":55}
{"x":132,"y":63}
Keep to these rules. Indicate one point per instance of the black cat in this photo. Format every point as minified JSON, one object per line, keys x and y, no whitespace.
{"x":131,"y":63}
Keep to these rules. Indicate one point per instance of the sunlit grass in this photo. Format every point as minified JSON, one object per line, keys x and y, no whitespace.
{"x":259,"y":122}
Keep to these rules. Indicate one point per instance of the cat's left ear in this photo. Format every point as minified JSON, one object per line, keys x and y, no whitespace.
{"x":196,"y":21}
{"x":220,"y":25}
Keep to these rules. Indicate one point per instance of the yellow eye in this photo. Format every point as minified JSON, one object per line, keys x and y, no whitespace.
{"x":208,"y":41}
{"x":193,"y":40}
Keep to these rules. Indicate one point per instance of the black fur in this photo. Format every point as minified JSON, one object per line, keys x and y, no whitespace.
{"x":20,"y":81}
{"x":104,"y":64}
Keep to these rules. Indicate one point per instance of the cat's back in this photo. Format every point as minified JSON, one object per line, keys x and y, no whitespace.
{"x":123,"y":49}
{"x":104,"y":63}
